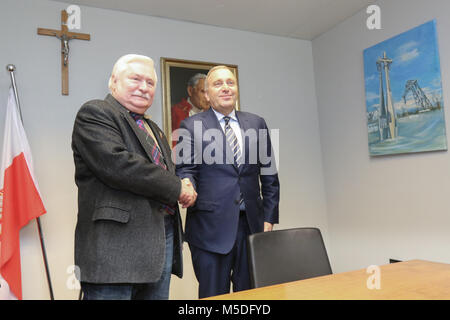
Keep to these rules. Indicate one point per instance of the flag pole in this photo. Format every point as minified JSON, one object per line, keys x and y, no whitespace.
{"x":11,"y":68}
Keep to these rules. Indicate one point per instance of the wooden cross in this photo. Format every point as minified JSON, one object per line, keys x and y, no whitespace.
{"x":65,"y":36}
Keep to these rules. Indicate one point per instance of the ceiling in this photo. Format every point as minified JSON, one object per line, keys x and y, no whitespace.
{"x":302,"y":19}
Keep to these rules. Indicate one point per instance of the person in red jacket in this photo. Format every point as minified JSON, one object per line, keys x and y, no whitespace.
{"x":193,"y":104}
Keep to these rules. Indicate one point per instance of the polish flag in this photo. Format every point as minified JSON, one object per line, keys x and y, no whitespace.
{"x":20,"y":200}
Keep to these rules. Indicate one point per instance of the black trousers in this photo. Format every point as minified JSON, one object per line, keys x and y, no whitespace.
{"x":215,"y":272}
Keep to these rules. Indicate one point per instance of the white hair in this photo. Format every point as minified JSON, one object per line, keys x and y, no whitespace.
{"x":195,"y":79}
{"x":122,"y":64}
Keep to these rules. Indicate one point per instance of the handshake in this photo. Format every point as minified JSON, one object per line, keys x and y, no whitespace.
{"x":188,"y":195}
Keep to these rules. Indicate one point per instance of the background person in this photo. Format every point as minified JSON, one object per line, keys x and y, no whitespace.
{"x":195,"y":102}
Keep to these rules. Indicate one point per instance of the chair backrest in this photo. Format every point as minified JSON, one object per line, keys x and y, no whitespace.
{"x":286,"y":255}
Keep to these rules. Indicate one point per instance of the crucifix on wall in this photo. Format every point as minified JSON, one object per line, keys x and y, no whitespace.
{"x":65,"y":36}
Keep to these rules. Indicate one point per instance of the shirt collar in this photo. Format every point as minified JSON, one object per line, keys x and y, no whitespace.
{"x":196,"y":110}
{"x":220,"y":116}
{"x":145,"y":116}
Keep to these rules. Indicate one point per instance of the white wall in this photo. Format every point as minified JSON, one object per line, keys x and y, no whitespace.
{"x":389,"y":206}
{"x":276,"y":81}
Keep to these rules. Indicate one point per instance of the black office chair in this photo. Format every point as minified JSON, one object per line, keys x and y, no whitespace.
{"x":286,"y":255}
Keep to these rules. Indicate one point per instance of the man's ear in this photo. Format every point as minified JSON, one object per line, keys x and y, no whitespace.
{"x":189,"y":91}
{"x":206,"y":96}
{"x":112,"y":83}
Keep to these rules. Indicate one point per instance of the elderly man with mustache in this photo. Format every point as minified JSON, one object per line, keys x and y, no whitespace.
{"x":128,"y":237}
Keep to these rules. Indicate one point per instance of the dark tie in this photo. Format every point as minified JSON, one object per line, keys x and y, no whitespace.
{"x":156,"y":153}
{"x":234,"y":145}
{"x":233,"y":142}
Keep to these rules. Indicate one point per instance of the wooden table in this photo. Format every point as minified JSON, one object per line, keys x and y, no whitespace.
{"x":416,"y":279}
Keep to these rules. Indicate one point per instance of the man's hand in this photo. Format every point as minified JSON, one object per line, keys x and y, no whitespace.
{"x":188,"y":195}
{"x":268,"y":226}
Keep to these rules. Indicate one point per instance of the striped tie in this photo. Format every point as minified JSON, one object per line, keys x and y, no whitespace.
{"x":156,"y":153}
{"x":234,"y":145}
{"x":233,"y":142}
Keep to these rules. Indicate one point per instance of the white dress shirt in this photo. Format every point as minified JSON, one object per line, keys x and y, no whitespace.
{"x":194,"y":109}
{"x":234,"y":124}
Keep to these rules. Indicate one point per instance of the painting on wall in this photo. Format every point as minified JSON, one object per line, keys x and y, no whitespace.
{"x":404,"y":103}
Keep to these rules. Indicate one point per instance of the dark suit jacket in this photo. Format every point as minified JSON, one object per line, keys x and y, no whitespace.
{"x":211,"y":224}
{"x":120,"y":234}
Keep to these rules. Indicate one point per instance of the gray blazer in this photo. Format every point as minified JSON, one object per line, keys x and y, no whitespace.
{"x":120,"y":235}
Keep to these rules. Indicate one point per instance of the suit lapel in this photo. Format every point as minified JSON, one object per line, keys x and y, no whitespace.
{"x":245,"y":125}
{"x":210,"y":120}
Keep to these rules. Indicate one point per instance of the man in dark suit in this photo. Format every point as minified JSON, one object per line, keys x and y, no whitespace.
{"x":221,"y":152}
{"x":128,"y":237}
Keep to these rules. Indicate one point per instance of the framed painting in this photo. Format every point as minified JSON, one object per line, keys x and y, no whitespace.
{"x":404,"y":101}
{"x":183,"y":90}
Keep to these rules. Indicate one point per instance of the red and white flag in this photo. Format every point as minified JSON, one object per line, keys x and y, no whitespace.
{"x":20,"y":200}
